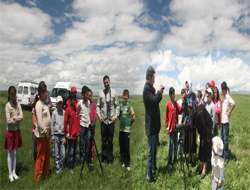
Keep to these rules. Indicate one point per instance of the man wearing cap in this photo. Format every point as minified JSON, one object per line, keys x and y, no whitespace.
{"x":58,"y":134}
{"x":107,"y":109}
{"x":209,"y":105}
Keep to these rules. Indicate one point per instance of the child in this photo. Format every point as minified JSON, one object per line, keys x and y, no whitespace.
{"x":199,"y":95}
{"x":92,"y":123}
{"x":84,"y":111}
{"x":172,"y":112}
{"x":217,"y":163}
{"x":228,"y":105}
{"x":72,"y":130}
{"x":13,"y":139}
{"x":58,"y":134}
{"x":36,"y":98}
{"x":216,"y":100}
{"x":42,"y":133}
{"x":126,"y":111}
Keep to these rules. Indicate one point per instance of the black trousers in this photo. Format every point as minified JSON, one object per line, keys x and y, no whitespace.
{"x":107,"y":133}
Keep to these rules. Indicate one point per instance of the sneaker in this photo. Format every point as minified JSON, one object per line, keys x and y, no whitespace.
{"x":203,"y":176}
{"x":128,"y":168}
{"x":123,"y":165}
{"x":170,"y":167}
{"x":57,"y":171}
{"x":15,"y":176}
{"x":104,"y":163}
{"x":11,"y":178}
{"x":110,"y":164}
{"x":71,"y":171}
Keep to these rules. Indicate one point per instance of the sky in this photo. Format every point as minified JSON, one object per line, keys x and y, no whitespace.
{"x":83,"y":40}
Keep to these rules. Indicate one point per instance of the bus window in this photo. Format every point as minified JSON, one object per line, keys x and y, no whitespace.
{"x":20,"y":90}
{"x":25,"y":90}
{"x":32,"y":90}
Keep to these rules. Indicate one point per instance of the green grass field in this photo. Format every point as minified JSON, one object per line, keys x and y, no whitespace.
{"x":236,"y":173}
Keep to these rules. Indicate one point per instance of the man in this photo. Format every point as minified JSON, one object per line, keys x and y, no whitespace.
{"x":228,"y":105}
{"x":108,"y":110}
{"x":152,"y":119}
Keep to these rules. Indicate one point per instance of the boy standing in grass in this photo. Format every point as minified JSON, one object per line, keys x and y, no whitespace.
{"x":171,"y":119}
{"x":126,"y":111}
{"x":72,"y":130}
{"x":228,"y":105}
{"x":84,"y":111}
{"x":58,"y":134}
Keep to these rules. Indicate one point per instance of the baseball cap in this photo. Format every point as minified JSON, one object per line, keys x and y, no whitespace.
{"x":217,"y":145}
{"x":212,"y":83}
{"x":209,"y":91}
{"x":73,"y":89}
{"x":59,"y":99}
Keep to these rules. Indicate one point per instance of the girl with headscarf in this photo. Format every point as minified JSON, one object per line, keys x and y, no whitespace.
{"x":190,"y":133}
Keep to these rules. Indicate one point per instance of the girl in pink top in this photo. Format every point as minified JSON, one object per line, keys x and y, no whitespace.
{"x":217,"y":102}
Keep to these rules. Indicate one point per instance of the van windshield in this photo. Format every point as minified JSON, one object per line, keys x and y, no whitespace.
{"x":59,"y":91}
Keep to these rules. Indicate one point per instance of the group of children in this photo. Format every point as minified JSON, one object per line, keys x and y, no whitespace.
{"x":212,"y":102}
{"x":68,"y":121}
{"x":77,"y":119}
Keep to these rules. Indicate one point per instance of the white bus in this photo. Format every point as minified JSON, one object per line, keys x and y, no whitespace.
{"x":25,"y":92}
{"x":63,"y":88}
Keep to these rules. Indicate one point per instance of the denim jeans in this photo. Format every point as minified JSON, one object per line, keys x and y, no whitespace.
{"x":172,"y":141}
{"x":85,"y":133}
{"x":215,"y":129}
{"x":152,"y":151}
{"x":59,"y":151}
{"x":124,"y":148}
{"x":73,"y":152}
{"x":224,"y":138}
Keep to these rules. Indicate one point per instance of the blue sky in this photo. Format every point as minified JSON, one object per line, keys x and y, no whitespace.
{"x":83,"y":40}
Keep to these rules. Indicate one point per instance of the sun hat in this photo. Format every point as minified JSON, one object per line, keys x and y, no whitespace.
{"x":218,"y":145}
{"x":209,"y":90}
{"x":59,"y":99}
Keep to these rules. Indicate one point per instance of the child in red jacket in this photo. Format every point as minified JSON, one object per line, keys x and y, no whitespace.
{"x":171,"y":119}
{"x":72,"y":130}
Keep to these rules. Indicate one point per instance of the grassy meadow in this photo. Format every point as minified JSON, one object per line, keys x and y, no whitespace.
{"x":236,"y":173}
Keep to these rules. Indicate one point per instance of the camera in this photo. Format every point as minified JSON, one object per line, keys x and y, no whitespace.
{"x":181,"y":126}
{"x":163,"y":87}
{"x":108,"y":103}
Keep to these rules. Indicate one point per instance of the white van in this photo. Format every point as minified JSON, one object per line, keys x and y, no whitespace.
{"x":63,"y":88}
{"x":25,"y":92}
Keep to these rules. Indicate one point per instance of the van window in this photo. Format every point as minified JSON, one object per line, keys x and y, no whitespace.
{"x":32,"y":90}
{"x":25,"y":90}
{"x":59,"y":91}
{"x":20,"y":90}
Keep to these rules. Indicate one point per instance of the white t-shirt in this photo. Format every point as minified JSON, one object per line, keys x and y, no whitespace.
{"x":226,"y":106}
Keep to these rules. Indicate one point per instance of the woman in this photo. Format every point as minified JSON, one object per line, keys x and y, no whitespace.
{"x":42,"y":133}
{"x":202,"y":119}
{"x":190,"y":133}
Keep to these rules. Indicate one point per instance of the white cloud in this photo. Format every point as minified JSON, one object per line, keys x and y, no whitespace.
{"x":163,"y":60}
{"x":206,"y":25}
{"x":30,"y":25}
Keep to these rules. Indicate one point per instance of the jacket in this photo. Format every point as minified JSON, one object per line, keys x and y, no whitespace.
{"x":171,"y":118}
{"x":43,"y":118}
{"x":72,"y":122}
{"x":152,"y":116}
{"x":13,"y":110}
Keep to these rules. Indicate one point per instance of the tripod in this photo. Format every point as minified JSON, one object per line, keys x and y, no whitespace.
{"x":88,"y":150}
{"x":180,"y":144}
